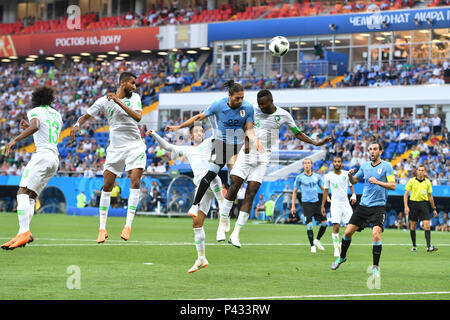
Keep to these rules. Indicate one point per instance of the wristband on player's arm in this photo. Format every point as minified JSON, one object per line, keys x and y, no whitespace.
{"x":353,"y":197}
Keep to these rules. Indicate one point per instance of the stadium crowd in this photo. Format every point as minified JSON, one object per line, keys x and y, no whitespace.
{"x":181,"y":12}
{"x":360,"y":76}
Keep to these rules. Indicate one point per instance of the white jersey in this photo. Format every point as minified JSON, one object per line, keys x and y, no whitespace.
{"x":123,"y":129}
{"x":50,"y":125}
{"x":338,"y":184}
{"x":198,"y":157}
{"x":267,"y":127}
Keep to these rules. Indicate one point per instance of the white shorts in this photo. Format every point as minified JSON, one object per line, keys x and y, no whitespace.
{"x":341,"y":212}
{"x":128,"y":158}
{"x":41,"y":168}
{"x":245,"y":169}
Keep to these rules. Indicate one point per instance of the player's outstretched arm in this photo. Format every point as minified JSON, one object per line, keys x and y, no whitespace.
{"x":303,"y":137}
{"x":31,"y":129}
{"x":162,"y":142}
{"x":135,"y":114}
{"x":187,"y":123}
{"x":76,"y":127}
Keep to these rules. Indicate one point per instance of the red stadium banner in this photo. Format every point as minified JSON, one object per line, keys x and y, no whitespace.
{"x":132,"y":39}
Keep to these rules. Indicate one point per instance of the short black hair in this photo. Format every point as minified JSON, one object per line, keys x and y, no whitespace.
{"x":125,"y":76}
{"x":233,"y":87}
{"x":380,"y":145}
{"x":191,"y":128}
{"x":264,"y":93}
{"x":42,"y":96}
{"x":337,"y":157}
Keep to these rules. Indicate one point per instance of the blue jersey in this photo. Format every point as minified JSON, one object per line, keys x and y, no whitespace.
{"x":307,"y":185}
{"x":229,"y":124}
{"x":373,"y":194}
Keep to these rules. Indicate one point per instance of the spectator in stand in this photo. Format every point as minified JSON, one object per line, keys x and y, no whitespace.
{"x":155,"y":199}
{"x":413,"y":136}
{"x":436,"y":122}
{"x":424,"y":130}
{"x":259,"y":206}
{"x":151,"y":168}
{"x":161,"y":168}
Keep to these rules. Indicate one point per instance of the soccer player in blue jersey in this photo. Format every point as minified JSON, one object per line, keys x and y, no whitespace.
{"x":307,"y":183}
{"x":232,"y":122}
{"x":378,"y":177}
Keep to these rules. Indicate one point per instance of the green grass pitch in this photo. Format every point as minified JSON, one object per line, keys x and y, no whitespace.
{"x":274,"y":263}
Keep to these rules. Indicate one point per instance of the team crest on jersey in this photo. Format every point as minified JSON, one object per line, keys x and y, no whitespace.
{"x":277,"y":118}
{"x":379,"y":170}
{"x":242,"y":113}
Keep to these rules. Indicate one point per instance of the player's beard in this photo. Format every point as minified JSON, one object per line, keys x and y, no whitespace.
{"x":127,"y":92}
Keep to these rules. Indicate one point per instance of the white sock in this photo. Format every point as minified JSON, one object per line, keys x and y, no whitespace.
{"x":217,"y":189}
{"x":241,"y":221}
{"x":105,"y":200}
{"x":32,"y":206}
{"x":335,"y":237}
{"x":225,"y":210}
{"x":200,"y":242}
{"x":23,"y":208}
{"x":133,"y":201}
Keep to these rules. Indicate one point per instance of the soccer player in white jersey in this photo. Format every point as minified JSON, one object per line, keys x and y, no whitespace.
{"x":198,"y":156}
{"x":340,"y":207}
{"x":126,"y":148}
{"x":252,"y":166}
{"x":45,"y":125}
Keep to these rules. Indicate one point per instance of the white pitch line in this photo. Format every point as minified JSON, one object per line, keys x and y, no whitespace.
{"x":158,"y":243}
{"x":335,"y":295}
{"x":150,"y":243}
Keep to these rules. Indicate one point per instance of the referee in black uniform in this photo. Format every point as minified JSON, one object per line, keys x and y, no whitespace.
{"x":421,"y":190}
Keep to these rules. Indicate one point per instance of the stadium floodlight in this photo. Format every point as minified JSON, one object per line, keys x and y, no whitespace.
{"x":99,"y":59}
{"x":33,"y":56}
{"x":6,"y":60}
{"x":208,"y":48}
{"x":332,"y":27}
{"x":13,"y":57}
{"x":163,"y":53}
{"x":124,"y":55}
{"x":30,"y":59}
{"x":112,"y":53}
{"x":103,"y":56}
{"x":193,"y":51}
{"x":58,"y":55}
{"x":76,"y":57}
{"x":85,"y":54}
{"x":146,"y":51}
{"x":50,"y":58}
{"x":119,"y":58}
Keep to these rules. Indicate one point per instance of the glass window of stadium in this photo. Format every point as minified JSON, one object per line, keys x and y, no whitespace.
{"x":376,"y":48}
